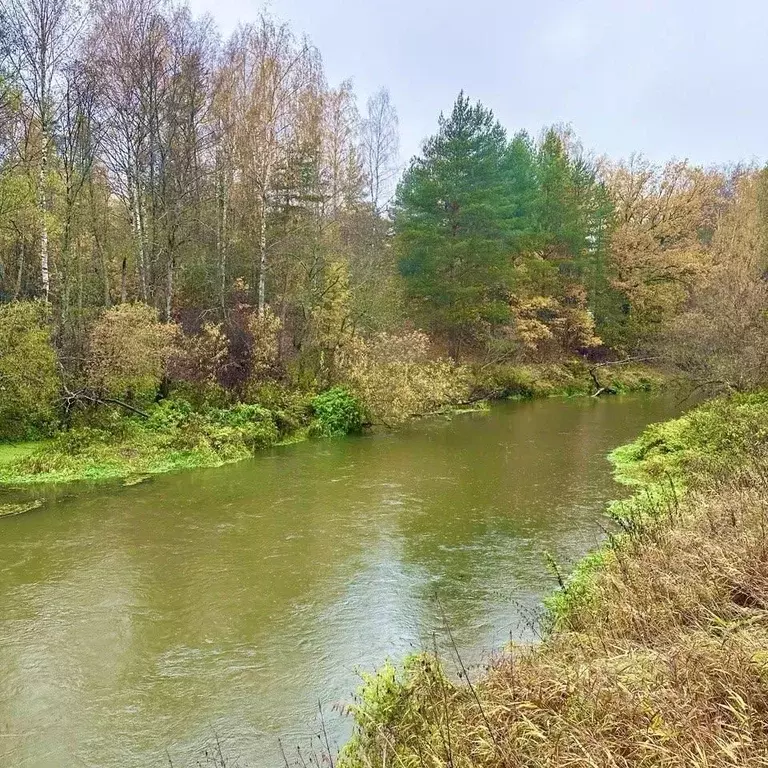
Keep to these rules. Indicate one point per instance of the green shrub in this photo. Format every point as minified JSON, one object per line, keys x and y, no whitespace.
{"x":337,"y":412}
{"x":78,"y":440}
{"x":251,"y":424}
{"x":502,"y":381}
{"x":405,"y":700}
{"x":531,"y":380}
{"x":29,"y":380}
{"x":568,"y":378}
{"x":169,"y":414}
{"x":292,"y":410}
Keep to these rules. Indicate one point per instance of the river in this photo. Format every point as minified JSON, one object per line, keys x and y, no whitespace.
{"x":143,"y":623}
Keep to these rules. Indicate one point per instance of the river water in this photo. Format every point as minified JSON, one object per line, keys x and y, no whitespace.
{"x":141,"y":624}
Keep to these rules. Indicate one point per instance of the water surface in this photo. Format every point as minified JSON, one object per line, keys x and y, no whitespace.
{"x":139,"y":623}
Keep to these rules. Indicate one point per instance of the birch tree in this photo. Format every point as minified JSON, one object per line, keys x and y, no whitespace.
{"x":379,"y":145}
{"x":267,"y":70}
{"x":43,"y":34}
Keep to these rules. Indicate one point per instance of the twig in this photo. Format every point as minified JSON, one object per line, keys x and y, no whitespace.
{"x":325,"y":733}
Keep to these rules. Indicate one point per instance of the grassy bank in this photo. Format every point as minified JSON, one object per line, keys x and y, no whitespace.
{"x":657,"y":654}
{"x":107,"y":443}
{"x":569,"y":378}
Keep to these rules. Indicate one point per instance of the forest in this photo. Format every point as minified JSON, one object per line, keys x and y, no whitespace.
{"x":204,"y":235}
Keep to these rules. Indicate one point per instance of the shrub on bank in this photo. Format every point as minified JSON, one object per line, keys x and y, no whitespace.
{"x":291,"y":408}
{"x":128,"y":351}
{"x":337,"y":412}
{"x":396,"y":379}
{"x":29,"y":379}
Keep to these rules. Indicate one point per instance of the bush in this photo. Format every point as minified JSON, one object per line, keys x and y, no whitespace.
{"x":395,"y":378}
{"x":129,"y":349}
{"x":197,"y":363}
{"x":169,"y":414}
{"x":29,"y":380}
{"x":290,"y":409}
{"x":337,"y":412}
{"x":395,"y":699}
{"x":265,"y":344}
{"x":80,"y":439}
{"x":244,"y":427}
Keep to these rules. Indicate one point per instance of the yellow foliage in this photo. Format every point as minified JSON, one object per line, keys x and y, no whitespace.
{"x":394,"y":377}
{"x":721,"y":339}
{"x":129,"y":349}
{"x":547,"y":326}
{"x":330,"y":326}
{"x":656,"y":249}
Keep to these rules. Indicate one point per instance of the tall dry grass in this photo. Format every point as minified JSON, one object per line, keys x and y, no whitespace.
{"x":662,"y":661}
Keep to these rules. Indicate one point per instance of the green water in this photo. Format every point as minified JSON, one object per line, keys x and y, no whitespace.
{"x":230,"y":602}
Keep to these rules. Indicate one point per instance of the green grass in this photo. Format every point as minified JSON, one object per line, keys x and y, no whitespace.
{"x":11,"y":452}
{"x":175,"y":437}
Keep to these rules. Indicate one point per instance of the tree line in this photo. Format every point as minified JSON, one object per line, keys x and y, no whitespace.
{"x":186,"y":208}
{"x":142,"y":159}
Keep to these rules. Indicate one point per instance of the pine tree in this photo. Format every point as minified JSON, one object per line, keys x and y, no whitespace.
{"x":453,"y":212}
{"x":522,"y":188}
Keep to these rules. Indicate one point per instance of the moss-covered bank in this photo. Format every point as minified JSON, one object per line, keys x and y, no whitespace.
{"x":109,"y":443}
{"x":657,"y":653}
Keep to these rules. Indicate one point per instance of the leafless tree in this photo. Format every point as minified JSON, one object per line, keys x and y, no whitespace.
{"x":380,"y":144}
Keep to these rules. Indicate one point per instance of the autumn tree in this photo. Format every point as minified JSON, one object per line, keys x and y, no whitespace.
{"x":43,"y":35}
{"x":657,"y":251}
{"x":266,"y":70}
{"x":720,"y":339}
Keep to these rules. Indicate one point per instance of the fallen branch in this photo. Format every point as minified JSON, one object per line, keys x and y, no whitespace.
{"x":600,"y":389}
{"x":88,"y":397}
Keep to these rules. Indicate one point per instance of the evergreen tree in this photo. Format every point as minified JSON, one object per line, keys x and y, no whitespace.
{"x":522,"y":188}
{"x":453,"y":212}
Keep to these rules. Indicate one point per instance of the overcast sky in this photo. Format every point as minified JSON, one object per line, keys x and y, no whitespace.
{"x":682,"y":78}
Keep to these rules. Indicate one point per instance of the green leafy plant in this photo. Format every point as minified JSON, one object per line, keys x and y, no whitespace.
{"x":29,"y":379}
{"x":337,"y":412}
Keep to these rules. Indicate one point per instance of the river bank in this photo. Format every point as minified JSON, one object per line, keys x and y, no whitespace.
{"x":657,"y":646}
{"x":110,"y":443}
